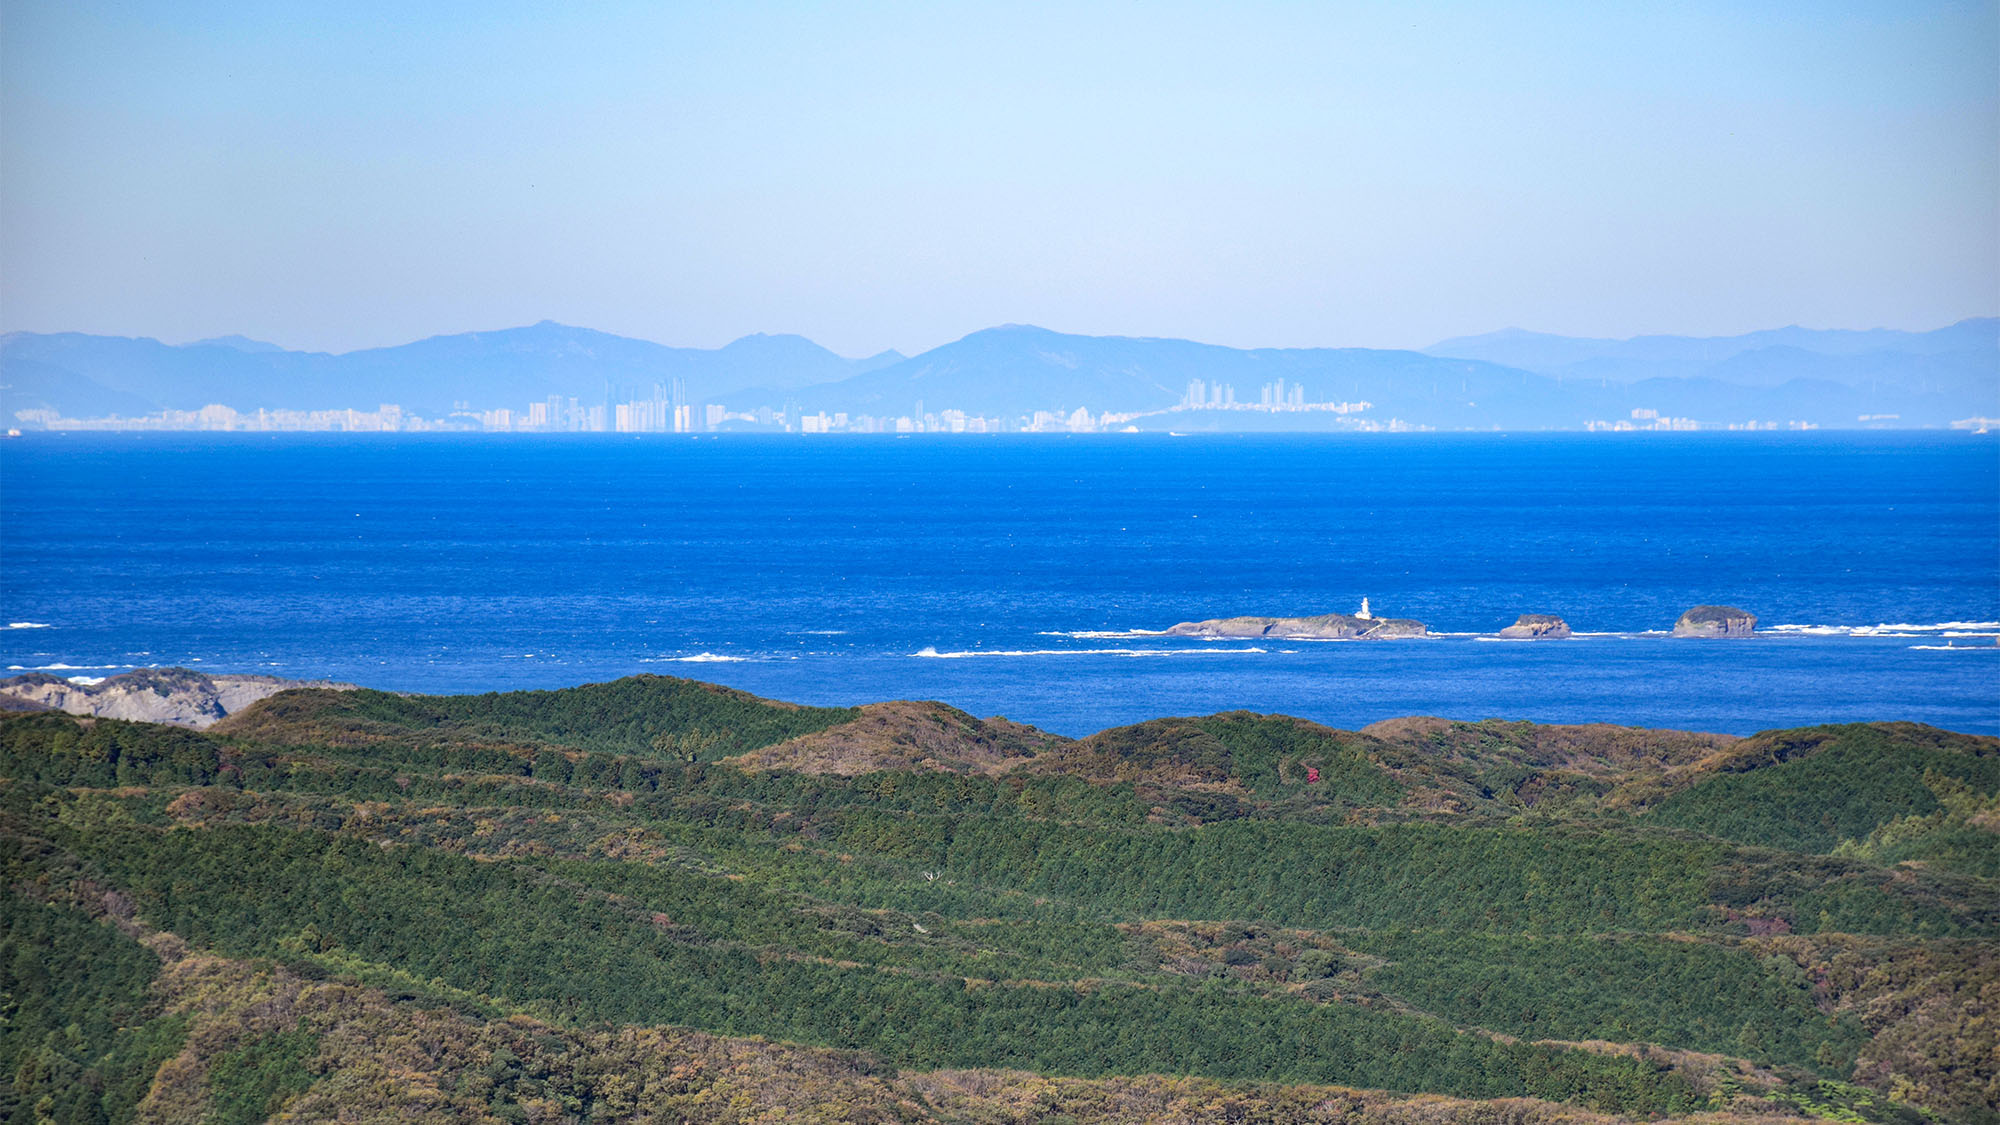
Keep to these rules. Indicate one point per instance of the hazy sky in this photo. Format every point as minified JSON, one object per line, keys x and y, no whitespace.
{"x":350,"y":174}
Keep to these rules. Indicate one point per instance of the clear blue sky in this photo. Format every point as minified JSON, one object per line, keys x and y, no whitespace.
{"x":350,"y":174}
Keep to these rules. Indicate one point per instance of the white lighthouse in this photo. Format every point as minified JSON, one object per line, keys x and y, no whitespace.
{"x":1364,"y":614}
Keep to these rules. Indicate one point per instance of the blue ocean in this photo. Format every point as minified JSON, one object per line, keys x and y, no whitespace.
{"x":1025,"y":575}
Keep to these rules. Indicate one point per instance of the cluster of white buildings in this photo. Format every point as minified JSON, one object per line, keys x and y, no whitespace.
{"x":667,"y":411}
{"x":387,"y":418}
{"x":1275,"y":397}
{"x":640,"y":416}
{"x":663,"y":415}
{"x":1643,"y":419}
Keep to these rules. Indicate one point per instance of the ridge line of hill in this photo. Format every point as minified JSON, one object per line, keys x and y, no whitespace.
{"x":1510,"y":380}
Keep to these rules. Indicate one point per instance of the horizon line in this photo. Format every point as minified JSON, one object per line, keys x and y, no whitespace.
{"x":214,"y":339}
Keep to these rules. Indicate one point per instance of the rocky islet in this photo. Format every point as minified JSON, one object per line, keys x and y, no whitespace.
{"x":1700,"y":621}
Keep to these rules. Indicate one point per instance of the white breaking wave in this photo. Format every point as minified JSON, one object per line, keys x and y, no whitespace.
{"x":68,"y":667}
{"x":1104,"y":634}
{"x":28,"y":625}
{"x":86,"y":681}
{"x":707,"y":658}
{"x":1897,"y":629}
{"x":930,"y":652}
{"x":1397,"y":637}
{"x":1957,"y":648}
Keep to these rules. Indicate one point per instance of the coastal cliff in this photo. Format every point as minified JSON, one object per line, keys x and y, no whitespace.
{"x":177,"y":696}
{"x":1326,"y":627}
{"x":1715,"y":621}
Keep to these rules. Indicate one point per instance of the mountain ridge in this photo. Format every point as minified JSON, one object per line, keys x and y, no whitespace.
{"x":1512,"y":379}
{"x":1968,"y":348}
{"x":82,"y":375}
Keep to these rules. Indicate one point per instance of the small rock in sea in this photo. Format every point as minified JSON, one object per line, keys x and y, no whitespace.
{"x":1537,"y":627}
{"x":1715,"y":621}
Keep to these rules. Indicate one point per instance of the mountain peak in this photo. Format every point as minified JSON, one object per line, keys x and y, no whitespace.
{"x":1011,"y":331}
{"x":237,"y":343}
{"x":767,"y":342}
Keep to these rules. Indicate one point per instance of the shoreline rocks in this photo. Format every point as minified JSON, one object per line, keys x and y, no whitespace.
{"x":1715,"y":621}
{"x":179,"y":696}
{"x":1325,"y":627}
{"x":1537,"y":627}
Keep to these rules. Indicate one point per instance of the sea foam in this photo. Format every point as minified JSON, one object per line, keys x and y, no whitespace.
{"x":930,"y":652}
{"x":1899,"y":629}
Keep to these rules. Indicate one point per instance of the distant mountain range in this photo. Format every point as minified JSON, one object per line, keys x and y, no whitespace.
{"x":1688,"y":355}
{"x":1510,"y":380}
{"x":90,"y":376}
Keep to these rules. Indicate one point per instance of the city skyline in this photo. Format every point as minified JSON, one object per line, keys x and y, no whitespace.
{"x":664,"y":416}
{"x":556,"y":378}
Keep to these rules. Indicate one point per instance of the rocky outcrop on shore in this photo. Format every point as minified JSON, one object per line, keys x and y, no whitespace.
{"x":1326,"y":627}
{"x":1537,"y":627}
{"x":150,"y":695}
{"x":1715,"y":621}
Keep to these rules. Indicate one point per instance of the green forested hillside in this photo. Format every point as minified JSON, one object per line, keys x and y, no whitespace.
{"x":479,"y":907}
{"x":640,"y":715}
{"x":1810,"y":790}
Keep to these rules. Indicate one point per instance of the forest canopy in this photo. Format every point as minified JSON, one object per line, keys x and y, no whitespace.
{"x":565,"y":892}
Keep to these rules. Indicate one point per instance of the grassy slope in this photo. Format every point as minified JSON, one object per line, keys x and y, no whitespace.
{"x":1062,"y":912}
{"x":905,"y":735}
{"x":656,"y":715}
{"x":1812,"y":789}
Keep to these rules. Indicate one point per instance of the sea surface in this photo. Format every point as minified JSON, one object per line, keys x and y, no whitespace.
{"x":1023,"y":575}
